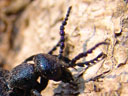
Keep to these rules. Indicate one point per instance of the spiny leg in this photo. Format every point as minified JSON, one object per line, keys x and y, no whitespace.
{"x":62,"y":33}
{"x":84,"y":54}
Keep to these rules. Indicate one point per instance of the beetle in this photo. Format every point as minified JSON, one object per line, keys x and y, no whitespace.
{"x":4,"y":89}
{"x":48,"y":67}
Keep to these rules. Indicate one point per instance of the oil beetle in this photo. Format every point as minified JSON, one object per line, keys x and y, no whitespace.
{"x":23,"y":78}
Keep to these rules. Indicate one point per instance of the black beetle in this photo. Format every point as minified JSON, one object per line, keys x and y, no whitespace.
{"x":48,"y":67}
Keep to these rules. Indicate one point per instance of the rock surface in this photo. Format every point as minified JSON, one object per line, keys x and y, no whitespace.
{"x":90,"y":22}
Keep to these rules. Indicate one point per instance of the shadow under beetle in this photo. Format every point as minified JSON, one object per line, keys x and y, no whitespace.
{"x":23,"y":78}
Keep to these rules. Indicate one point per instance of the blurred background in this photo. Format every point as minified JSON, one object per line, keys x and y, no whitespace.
{"x":10,"y":38}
